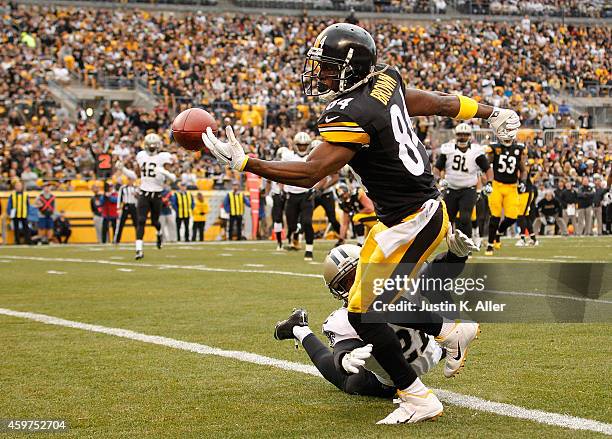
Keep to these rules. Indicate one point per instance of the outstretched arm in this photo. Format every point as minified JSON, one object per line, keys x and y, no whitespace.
{"x":425,"y":103}
{"x":324,"y":160}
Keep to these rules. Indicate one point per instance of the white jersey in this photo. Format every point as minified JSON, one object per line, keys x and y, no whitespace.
{"x":420,"y":349}
{"x":150,"y":179}
{"x":461,"y":169}
{"x":275,"y":188}
{"x":291,"y":156}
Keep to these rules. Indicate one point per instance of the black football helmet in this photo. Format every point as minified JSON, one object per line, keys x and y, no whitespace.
{"x":342,"y":56}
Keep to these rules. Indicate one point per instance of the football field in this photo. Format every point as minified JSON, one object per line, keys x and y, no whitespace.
{"x":181,"y":344}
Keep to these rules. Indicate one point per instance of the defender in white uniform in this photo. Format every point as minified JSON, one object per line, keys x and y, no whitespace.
{"x":349,"y":364}
{"x":151,"y":165}
{"x":300,"y":201}
{"x":459,"y":166}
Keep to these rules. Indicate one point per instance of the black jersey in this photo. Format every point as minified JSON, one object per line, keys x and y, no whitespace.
{"x":506,"y":161}
{"x":391,"y":162}
{"x":352,"y":205}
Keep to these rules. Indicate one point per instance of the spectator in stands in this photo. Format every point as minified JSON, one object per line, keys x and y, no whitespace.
{"x":45,"y":203}
{"x":182,"y":202}
{"x":200,"y":210}
{"x":18,"y":205}
{"x":62,"y":229}
{"x":584,"y":212}
{"x":586,"y":121}
{"x":548,"y":121}
{"x":108,"y":202}
{"x":29,"y":178}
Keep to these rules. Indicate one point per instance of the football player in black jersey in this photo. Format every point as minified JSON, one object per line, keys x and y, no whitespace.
{"x":526,"y":206}
{"x":366,"y":124}
{"x":357,"y":209}
{"x":508,"y":158}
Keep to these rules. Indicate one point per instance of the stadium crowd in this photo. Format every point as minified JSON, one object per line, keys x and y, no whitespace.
{"x":179,"y":57}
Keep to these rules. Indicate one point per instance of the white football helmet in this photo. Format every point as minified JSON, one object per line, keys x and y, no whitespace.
{"x":339,"y":269}
{"x":302,"y":143}
{"x":315,"y":143}
{"x":463,"y":132}
{"x":280,"y":152}
{"x":152,"y":143}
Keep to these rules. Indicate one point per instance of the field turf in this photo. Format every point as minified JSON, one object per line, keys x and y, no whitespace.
{"x":107,"y":386}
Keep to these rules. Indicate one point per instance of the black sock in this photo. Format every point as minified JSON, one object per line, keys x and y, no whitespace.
{"x":493,"y":224}
{"x":279,"y":238}
{"x":387,"y":350}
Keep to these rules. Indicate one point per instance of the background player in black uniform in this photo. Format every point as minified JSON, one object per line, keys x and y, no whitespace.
{"x":367,"y":125}
{"x":357,"y":210}
{"x":526,"y":207}
{"x":508,"y":158}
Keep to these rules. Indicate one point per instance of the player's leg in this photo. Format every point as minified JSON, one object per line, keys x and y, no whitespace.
{"x":143,"y":207}
{"x":292,"y":213}
{"x":466,"y":203}
{"x":306,"y":210}
{"x":327,"y":201}
{"x":156,"y":208}
{"x":510,"y":205}
{"x":495,"y":206}
{"x":451,"y":199}
{"x":277,"y":219}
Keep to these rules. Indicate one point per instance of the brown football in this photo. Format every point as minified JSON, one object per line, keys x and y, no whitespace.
{"x":187,"y":128}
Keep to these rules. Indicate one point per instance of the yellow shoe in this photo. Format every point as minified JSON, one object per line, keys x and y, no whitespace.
{"x":497,"y":245}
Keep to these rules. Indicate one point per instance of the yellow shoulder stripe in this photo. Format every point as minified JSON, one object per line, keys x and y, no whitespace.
{"x":346,"y":137}
{"x":338,"y":124}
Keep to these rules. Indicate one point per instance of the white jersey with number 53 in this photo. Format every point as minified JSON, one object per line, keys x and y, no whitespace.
{"x":150,"y":179}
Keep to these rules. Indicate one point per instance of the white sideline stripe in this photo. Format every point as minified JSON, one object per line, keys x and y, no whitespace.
{"x":164,"y":266}
{"x":470,"y":402}
{"x":552,"y":296}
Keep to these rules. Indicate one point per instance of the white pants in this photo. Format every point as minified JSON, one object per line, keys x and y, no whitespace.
{"x":168,"y":227}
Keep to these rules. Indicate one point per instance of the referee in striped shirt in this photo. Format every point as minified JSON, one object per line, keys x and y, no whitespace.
{"x":126,"y":205}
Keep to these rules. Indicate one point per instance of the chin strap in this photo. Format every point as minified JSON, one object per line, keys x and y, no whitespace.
{"x":330,"y":95}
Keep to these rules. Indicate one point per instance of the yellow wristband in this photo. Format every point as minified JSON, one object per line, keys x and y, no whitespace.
{"x":468,"y":108}
{"x":244,"y":162}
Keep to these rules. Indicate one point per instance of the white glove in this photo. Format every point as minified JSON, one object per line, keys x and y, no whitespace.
{"x":352,"y":361}
{"x":228,"y":153}
{"x":487,"y":189}
{"x":504,"y":122}
{"x":119,"y":165}
{"x":459,"y":244}
{"x":443,"y":183}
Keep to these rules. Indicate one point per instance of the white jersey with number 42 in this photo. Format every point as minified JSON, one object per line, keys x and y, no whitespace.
{"x":150,"y":179}
{"x":461,"y":168}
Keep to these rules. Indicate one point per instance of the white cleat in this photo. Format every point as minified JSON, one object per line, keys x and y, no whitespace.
{"x":457,"y":344}
{"x":533,"y":243}
{"x":414,"y":408}
{"x":520,"y":243}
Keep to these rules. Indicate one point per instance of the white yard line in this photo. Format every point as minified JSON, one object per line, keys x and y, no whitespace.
{"x":470,"y":402}
{"x":163,"y":266}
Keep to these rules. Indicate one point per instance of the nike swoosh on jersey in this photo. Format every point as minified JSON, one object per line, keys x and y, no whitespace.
{"x":329,"y":119}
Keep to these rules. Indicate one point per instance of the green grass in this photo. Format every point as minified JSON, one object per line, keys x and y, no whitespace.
{"x":110,"y":387}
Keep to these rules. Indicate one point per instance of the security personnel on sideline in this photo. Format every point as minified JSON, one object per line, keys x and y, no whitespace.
{"x":18,"y":205}
{"x":234,"y":205}
{"x":183,"y":204}
{"x":199,"y":217}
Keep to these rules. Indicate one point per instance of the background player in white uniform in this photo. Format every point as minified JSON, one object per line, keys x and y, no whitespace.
{"x":349,"y":364}
{"x":151,"y":165}
{"x":300,"y":200}
{"x":459,"y":165}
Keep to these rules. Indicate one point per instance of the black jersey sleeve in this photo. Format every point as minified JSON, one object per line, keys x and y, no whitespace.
{"x":441,"y":162}
{"x":482,"y":162}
